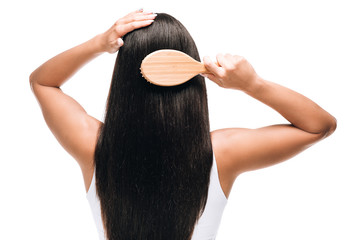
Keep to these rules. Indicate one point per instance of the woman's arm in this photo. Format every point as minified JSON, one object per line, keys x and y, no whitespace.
{"x":74,"y":129}
{"x":249,"y":149}
{"x":60,"y":68}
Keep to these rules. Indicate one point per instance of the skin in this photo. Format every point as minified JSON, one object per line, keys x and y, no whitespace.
{"x":237,"y":150}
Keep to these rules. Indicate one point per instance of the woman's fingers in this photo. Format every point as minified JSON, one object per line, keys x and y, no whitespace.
{"x":119,"y":42}
{"x":216,"y":72}
{"x":225,"y":60}
{"x":126,"y":28}
{"x":233,"y":72}
{"x":134,"y":21}
{"x":111,"y":41}
{"x":136,"y":16}
{"x":213,"y":78}
{"x":213,"y":68}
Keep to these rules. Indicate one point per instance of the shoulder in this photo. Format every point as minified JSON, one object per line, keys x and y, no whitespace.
{"x":226,"y":141}
{"x":223,"y":141}
{"x":227,"y":144}
{"x":86,"y":148}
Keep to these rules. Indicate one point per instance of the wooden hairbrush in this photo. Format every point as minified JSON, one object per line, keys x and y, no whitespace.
{"x":169,"y":67}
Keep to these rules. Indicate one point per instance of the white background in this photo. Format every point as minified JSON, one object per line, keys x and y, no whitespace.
{"x":309,"y":46}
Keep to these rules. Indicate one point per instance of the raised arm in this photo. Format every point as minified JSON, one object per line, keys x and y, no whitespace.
{"x":74,"y":129}
{"x":243,"y":150}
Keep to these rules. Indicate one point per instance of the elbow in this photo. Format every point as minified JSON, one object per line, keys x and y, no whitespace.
{"x":31,"y":81}
{"x":330,"y":127}
{"x":333,"y":126}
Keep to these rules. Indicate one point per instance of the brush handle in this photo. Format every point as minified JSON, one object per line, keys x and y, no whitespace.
{"x":197,"y":68}
{"x":202,"y":69}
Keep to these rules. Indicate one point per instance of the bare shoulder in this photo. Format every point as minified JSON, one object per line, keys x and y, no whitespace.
{"x":222,"y":150}
{"x":87,"y":149}
{"x":229,"y":150}
{"x":230,"y":147}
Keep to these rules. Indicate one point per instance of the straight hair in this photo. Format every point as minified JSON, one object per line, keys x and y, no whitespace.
{"x":154,"y":154}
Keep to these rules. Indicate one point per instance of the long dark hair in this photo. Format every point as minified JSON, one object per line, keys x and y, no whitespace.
{"x":154,"y":155}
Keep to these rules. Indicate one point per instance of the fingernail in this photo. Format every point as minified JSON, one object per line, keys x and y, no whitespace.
{"x":120,"y":42}
{"x":140,"y":10}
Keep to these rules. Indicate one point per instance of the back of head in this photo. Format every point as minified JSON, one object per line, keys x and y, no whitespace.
{"x":154,"y":154}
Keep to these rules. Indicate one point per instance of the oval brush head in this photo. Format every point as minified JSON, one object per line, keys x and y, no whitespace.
{"x":169,"y":67}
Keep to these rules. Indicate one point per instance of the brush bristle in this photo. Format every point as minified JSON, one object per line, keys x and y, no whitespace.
{"x":142,"y":74}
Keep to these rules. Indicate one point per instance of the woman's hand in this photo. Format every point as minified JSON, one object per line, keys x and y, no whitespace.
{"x":110,"y":41}
{"x":232,"y":71}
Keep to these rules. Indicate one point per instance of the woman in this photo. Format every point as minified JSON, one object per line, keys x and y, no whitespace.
{"x":152,"y":169}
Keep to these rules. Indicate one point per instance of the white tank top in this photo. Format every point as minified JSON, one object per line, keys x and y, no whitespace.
{"x":208,"y":224}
